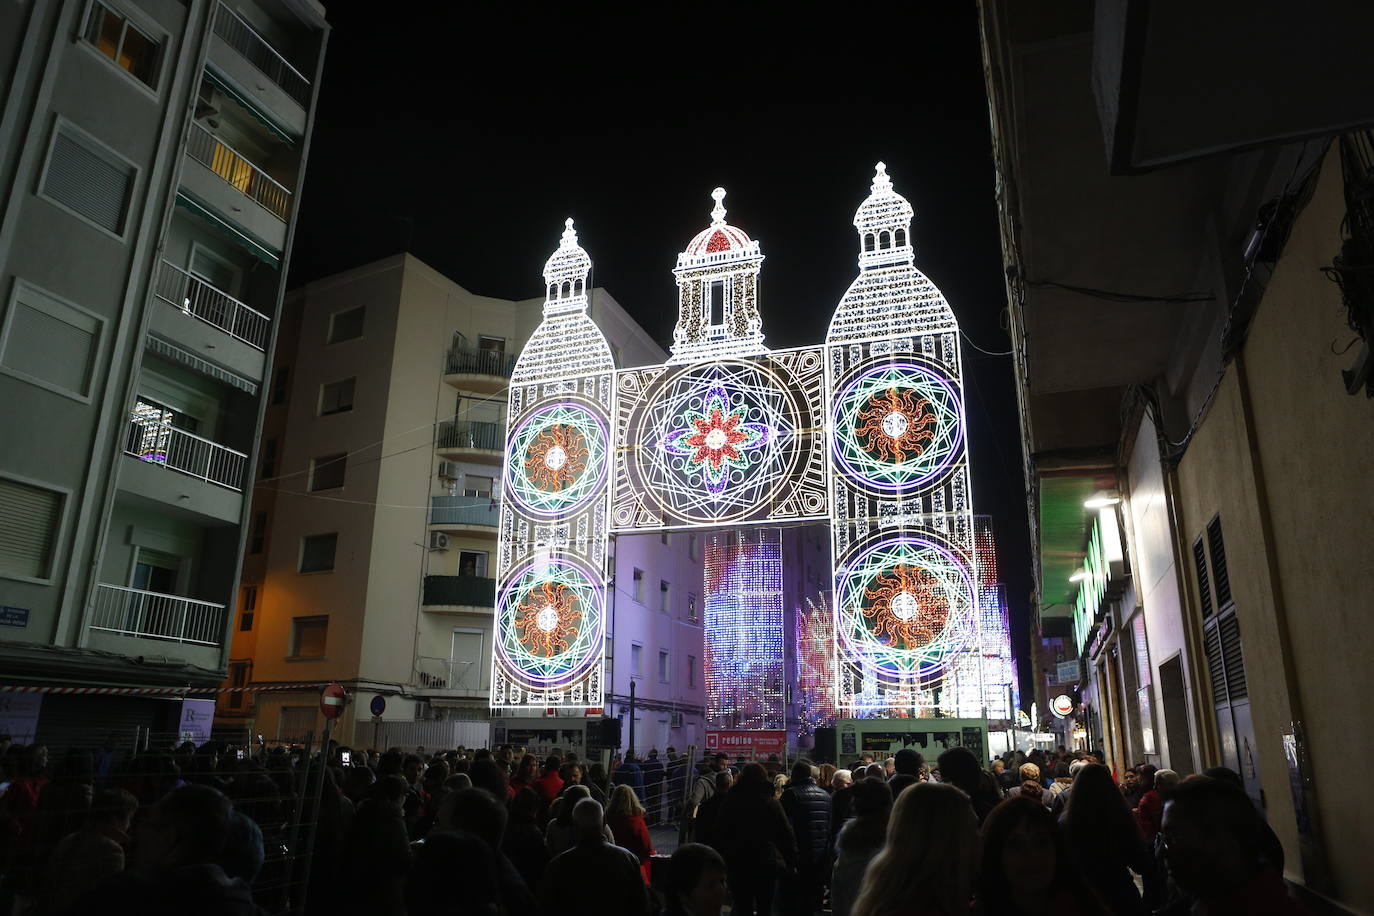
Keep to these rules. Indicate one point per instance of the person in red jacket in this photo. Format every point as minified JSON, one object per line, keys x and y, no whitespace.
{"x":1151,"y":810}
{"x":625,"y":817}
{"x":550,"y":783}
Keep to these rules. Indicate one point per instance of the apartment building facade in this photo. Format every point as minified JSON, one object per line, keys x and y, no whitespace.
{"x":377,"y":515}
{"x":1186,"y":230}
{"x":153,"y":152}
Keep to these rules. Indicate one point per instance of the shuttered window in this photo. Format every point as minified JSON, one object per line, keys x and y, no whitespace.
{"x":88,"y":180}
{"x":1220,"y":631}
{"x":1220,"y":578}
{"x":29,"y":532}
{"x":1204,"y":588}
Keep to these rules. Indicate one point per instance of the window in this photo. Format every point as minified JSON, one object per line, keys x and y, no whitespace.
{"x":664,"y":539}
{"x":639,"y":585}
{"x":472,"y":563}
{"x":259,"y":536}
{"x":715,"y":301}
{"x":250,"y":603}
{"x":692,"y":607}
{"x":50,"y":342}
{"x":664,"y":596}
{"x":691,"y":671}
{"x":692,"y":547}
{"x":279,"y":384}
{"x":88,"y":179}
{"x":213,"y":269}
{"x":337,"y":397}
{"x":636,"y":659}
{"x":476,"y":485}
{"x":269,"y":458}
{"x":327,"y":472}
{"x":31,"y":515}
{"x":317,"y":552}
{"x":491,"y":344}
{"x":155,"y":571}
{"x":238,"y":677}
{"x":308,"y":636}
{"x":664,"y":666}
{"x":129,"y":47}
{"x":346,"y":325}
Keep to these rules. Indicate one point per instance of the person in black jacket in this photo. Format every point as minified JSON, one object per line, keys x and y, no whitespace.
{"x":755,"y":840}
{"x":807,"y":806}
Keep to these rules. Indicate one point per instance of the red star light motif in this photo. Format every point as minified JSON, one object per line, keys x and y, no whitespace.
{"x":716,"y":438}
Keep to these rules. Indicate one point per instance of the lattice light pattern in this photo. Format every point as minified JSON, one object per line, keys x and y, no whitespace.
{"x":866,"y":431}
{"x":744,"y":629}
{"x":815,"y":664}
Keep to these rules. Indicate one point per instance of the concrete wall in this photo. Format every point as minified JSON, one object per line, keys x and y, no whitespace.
{"x":1300,"y":497}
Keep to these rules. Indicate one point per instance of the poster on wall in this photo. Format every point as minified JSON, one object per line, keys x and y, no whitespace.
{"x":747,"y":743}
{"x":197,"y":718}
{"x":19,"y":715}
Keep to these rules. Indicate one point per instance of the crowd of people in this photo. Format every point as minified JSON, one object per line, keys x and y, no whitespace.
{"x":499,"y":832}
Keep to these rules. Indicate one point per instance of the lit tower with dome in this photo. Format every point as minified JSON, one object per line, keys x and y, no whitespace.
{"x":551,"y":598}
{"x":901,"y":514}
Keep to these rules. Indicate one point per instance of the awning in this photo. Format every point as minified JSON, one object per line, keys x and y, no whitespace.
{"x":247,"y":242}
{"x":226,"y":85}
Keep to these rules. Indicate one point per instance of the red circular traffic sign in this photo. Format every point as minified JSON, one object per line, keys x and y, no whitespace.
{"x":332,"y":701}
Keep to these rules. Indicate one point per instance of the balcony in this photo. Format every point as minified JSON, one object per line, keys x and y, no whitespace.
{"x":160,"y":443}
{"x":471,"y":439}
{"x":152,"y":615}
{"x":258,"y":70}
{"x":196,"y":297}
{"x":460,"y":591}
{"x":478,"y":370}
{"x":222,"y":159}
{"x":473,"y":514}
{"x":449,"y":677}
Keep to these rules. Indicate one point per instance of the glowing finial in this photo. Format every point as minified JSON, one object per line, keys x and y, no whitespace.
{"x":880,"y":180}
{"x":569,"y":234}
{"x":718,"y":214}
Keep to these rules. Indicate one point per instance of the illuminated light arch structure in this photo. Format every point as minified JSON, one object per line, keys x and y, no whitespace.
{"x":866,"y":432}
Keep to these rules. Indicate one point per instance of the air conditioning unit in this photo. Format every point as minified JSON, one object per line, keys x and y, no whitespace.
{"x":438,"y":540}
{"x":675,"y":720}
{"x":449,"y":470}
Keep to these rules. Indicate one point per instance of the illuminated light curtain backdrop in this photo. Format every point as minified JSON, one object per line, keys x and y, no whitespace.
{"x":866,"y":432}
{"x":744,"y":629}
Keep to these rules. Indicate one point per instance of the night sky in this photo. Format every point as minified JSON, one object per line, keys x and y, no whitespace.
{"x":467,"y":135}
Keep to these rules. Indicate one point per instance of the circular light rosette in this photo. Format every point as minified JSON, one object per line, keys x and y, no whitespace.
{"x":715,"y":441}
{"x":556,"y":459}
{"x":906,"y":608}
{"x":898,"y":426}
{"x":551,"y":623}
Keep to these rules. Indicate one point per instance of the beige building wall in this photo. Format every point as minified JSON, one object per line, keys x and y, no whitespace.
{"x":1298,"y":520}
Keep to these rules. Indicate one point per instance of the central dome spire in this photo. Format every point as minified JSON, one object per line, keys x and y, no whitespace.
{"x":717,"y":281}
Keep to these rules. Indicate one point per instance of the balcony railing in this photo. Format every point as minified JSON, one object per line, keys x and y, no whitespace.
{"x":196,"y":297}
{"x":448,"y":674}
{"x":463,"y":510}
{"x":471,"y":434}
{"x":222,"y":159}
{"x":243,"y":38}
{"x":153,"y":615}
{"x":161,"y":443}
{"x":480,"y":362}
{"x":473,"y":591}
